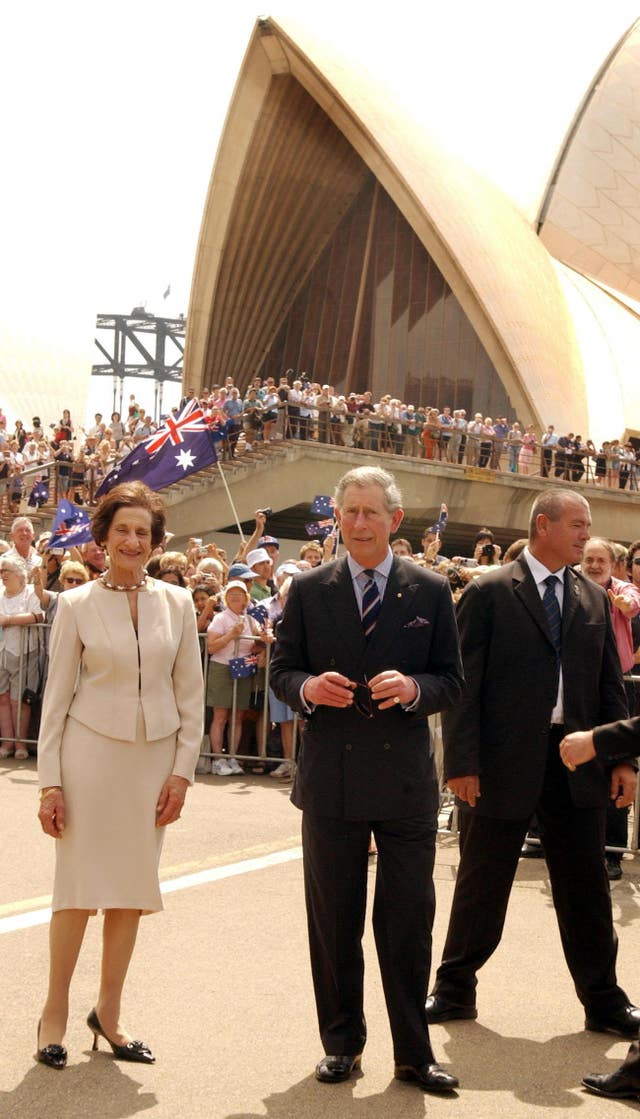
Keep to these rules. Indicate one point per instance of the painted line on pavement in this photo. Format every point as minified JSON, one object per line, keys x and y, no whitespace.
{"x":184,"y":882}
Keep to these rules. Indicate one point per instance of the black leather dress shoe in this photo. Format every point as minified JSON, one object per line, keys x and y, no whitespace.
{"x":431,"y":1078}
{"x":531,"y":851}
{"x":618,"y":1085}
{"x":439,"y":1010}
{"x":624,"y":1022}
{"x":613,"y":869}
{"x":332,"y":1069}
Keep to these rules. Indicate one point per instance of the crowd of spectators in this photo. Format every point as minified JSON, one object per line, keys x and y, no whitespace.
{"x":296,"y":408}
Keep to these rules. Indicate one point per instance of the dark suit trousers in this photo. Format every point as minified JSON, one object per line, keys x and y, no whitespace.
{"x":573,"y":844}
{"x":335,"y":874}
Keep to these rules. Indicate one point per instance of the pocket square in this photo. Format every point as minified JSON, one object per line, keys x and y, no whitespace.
{"x":417,"y":623}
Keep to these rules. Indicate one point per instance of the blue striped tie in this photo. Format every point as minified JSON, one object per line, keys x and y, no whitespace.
{"x":552,"y":608}
{"x":371,"y":603}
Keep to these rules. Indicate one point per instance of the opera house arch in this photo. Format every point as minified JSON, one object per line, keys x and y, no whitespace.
{"x":590,"y":218}
{"x":342,"y":238}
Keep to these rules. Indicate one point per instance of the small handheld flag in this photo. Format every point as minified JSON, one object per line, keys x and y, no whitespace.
{"x":322,"y":505}
{"x":70,"y":526}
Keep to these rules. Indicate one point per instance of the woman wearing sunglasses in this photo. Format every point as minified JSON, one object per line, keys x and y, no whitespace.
{"x":72,"y":574}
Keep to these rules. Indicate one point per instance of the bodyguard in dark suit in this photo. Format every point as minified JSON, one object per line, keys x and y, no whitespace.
{"x":540,"y":660}
{"x":366,"y":650}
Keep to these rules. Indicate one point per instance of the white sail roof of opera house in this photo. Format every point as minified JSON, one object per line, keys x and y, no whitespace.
{"x":509,"y":138}
{"x":44,"y":363}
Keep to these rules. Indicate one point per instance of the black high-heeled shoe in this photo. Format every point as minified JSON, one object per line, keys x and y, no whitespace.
{"x":55,"y":1056}
{"x":132,"y":1051}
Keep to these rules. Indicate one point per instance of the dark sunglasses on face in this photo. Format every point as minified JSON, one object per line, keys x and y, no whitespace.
{"x":74,"y":582}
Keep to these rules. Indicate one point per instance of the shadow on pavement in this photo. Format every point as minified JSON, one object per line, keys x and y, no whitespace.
{"x":312,"y":1100}
{"x":97,"y":1087}
{"x":541,"y":1073}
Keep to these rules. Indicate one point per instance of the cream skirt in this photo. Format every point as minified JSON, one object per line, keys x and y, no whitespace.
{"x":108,"y":856}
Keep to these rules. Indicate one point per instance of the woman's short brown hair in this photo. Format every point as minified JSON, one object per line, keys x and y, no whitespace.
{"x":129,"y":495}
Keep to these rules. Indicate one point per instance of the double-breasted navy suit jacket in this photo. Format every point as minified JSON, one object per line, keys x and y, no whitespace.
{"x":350,"y":766}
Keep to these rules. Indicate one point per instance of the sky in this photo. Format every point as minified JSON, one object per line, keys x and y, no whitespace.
{"x":112,"y":115}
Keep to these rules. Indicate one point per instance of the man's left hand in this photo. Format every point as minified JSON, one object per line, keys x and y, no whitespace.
{"x":623,"y":785}
{"x":390,"y":688}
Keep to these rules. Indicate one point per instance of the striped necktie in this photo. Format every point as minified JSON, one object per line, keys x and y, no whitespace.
{"x":552,"y":609}
{"x":371,"y":603}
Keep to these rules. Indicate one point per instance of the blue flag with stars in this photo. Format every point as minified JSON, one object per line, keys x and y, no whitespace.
{"x":322,"y":505}
{"x":183,"y":445}
{"x":319,"y":528}
{"x":39,"y":494}
{"x":70,"y":527}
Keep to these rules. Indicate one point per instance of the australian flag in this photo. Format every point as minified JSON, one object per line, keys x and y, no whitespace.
{"x":39,"y":494}
{"x":322,"y":505}
{"x":319,"y":528}
{"x":258,"y":612}
{"x":241,"y":667}
{"x":70,"y":527}
{"x":183,"y":445}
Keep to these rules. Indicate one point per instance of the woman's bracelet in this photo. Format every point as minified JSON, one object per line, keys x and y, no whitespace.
{"x":49,"y":792}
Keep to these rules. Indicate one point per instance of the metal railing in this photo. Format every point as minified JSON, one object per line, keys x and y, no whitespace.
{"x":261,"y":678}
{"x":489,"y":454}
{"x":27,"y":674}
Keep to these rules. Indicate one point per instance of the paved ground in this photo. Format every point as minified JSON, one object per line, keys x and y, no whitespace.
{"x":220,"y":986}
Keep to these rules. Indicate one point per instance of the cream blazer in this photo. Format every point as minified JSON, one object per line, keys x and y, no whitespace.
{"x":95,"y":662}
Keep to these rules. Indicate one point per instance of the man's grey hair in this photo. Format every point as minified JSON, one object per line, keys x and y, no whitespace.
{"x":370,"y":476}
{"x":22,"y":521}
{"x":553,"y":504}
{"x":602,"y":542}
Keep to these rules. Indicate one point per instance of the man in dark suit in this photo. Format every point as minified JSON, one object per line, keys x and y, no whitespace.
{"x":366,"y":650}
{"x":540,"y":659}
{"x":609,"y":743}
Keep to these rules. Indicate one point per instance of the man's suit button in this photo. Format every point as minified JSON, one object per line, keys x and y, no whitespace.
{"x":387,"y":745}
{"x":332,"y":661}
{"x":348,"y":746}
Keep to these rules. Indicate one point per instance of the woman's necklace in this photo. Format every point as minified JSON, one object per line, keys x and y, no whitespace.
{"x":122,"y":586}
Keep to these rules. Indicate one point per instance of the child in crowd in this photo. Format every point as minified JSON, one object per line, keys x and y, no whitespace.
{"x":232,"y":633}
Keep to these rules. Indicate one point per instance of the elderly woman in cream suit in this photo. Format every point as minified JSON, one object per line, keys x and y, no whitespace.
{"x":121,"y":733}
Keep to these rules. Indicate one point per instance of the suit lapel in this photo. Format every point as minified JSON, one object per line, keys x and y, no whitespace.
{"x":113,"y":611}
{"x":571,"y":599}
{"x":341,"y":603}
{"x":524,"y":586}
{"x":396,"y":607}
